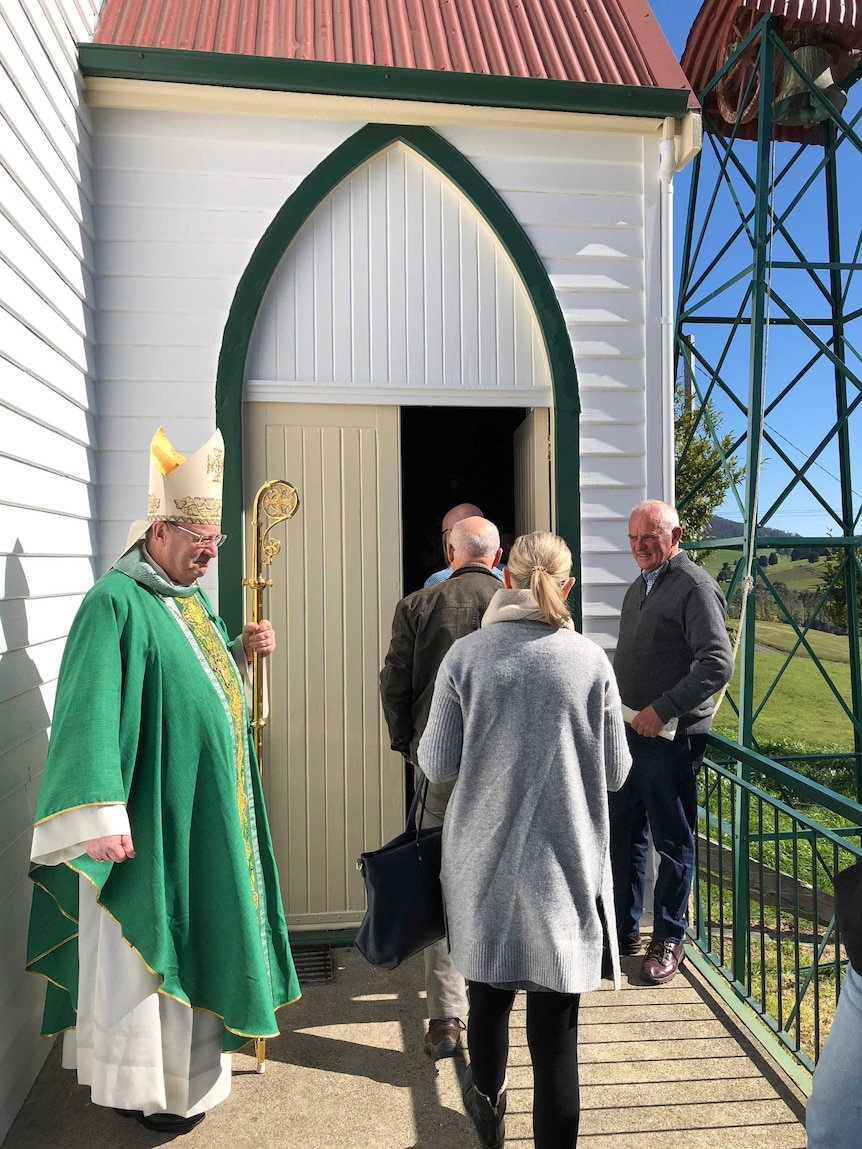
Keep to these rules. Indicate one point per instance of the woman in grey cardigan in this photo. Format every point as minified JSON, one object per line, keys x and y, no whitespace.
{"x":527,"y":715}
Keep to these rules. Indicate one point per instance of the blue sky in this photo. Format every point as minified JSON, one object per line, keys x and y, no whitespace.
{"x":675,"y":17}
{"x":799,"y":421}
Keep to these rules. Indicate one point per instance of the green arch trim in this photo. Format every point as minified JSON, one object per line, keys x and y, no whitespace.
{"x":339,"y":164}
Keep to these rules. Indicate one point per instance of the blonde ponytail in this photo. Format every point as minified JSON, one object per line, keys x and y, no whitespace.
{"x":542,"y":562}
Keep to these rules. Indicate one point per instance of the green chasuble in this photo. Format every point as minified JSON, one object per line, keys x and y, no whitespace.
{"x":150,"y":712}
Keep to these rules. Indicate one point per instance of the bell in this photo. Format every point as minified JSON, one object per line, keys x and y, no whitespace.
{"x":795,"y":105}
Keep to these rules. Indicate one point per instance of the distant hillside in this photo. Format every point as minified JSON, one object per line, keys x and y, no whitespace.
{"x":721,"y":528}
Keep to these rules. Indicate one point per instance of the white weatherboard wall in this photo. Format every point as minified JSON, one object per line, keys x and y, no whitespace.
{"x":47,"y":450}
{"x":182,"y":201}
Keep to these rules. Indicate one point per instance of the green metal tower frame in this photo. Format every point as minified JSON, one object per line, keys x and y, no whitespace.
{"x":732,"y":290}
{"x":783,"y":274}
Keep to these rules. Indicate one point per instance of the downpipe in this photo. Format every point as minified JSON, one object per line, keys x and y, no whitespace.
{"x":666,"y":171}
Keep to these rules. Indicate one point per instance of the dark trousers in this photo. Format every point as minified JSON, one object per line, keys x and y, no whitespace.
{"x":552,"y":1035}
{"x":659,"y":794}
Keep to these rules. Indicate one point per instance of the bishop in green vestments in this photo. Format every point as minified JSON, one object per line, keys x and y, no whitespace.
{"x":157,"y":917}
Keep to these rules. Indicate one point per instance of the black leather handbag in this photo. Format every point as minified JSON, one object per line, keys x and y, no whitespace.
{"x":402,"y":886}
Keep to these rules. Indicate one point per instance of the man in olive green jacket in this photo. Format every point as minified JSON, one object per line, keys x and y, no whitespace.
{"x":425,"y":625}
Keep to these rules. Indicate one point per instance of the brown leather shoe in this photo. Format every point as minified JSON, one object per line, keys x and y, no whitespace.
{"x":661,"y":961}
{"x":443,"y":1036}
{"x":631,"y":945}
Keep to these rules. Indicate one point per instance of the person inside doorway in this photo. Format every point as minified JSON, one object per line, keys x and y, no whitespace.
{"x":453,"y":516}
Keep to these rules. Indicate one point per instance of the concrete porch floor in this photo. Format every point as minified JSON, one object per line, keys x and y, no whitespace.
{"x":658,"y":1066}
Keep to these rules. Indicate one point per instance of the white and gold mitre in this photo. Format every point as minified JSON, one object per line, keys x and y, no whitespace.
{"x":182,"y":490}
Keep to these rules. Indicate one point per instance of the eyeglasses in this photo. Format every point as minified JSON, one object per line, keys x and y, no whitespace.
{"x":202,"y":540}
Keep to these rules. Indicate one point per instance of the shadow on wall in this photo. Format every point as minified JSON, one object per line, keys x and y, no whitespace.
{"x":24,"y":722}
{"x":24,"y":735}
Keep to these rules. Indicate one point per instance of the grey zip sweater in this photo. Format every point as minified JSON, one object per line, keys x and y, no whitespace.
{"x":673,"y":652}
{"x":528,"y":718}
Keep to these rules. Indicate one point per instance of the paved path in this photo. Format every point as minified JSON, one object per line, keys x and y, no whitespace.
{"x":659,"y":1067}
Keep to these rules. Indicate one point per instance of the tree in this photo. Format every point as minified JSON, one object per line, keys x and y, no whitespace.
{"x":773,"y":558}
{"x":835,"y":606}
{"x":702,"y":479}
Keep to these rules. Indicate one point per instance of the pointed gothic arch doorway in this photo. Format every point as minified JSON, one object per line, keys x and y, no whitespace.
{"x":337,"y":360}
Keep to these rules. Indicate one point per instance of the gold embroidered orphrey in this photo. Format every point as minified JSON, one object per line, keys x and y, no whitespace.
{"x":204,"y":633}
{"x":153,"y":504}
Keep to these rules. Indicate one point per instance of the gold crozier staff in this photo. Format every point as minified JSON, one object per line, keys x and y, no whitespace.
{"x":275,"y":502}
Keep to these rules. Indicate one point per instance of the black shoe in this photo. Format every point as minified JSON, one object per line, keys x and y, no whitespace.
{"x":164,"y":1122}
{"x":490,"y":1120}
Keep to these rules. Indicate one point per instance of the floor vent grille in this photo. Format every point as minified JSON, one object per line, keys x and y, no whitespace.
{"x":313,"y":964}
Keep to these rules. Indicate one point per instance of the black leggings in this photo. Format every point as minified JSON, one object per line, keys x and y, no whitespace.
{"x":552,"y":1035}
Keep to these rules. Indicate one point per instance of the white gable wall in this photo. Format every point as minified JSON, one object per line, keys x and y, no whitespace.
{"x":396,"y":291}
{"x":48,"y":488}
{"x":183,"y":199}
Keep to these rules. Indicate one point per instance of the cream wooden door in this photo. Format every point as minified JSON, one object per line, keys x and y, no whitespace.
{"x":333,"y":786}
{"x":532,"y":445}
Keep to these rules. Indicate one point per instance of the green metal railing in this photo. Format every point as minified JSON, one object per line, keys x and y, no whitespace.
{"x":769,"y":843}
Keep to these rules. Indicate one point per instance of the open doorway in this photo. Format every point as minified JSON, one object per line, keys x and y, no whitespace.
{"x":453,"y":455}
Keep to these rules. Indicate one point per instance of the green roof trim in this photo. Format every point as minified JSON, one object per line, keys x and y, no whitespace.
{"x":276,"y":74}
{"x":355,"y":151}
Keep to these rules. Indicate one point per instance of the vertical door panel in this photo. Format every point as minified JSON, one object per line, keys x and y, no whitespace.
{"x":533,"y":473}
{"x":333,"y":786}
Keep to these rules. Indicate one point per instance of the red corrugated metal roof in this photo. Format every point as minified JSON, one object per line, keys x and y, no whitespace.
{"x":847,"y":13}
{"x":720,"y":25}
{"x":600,"y":41}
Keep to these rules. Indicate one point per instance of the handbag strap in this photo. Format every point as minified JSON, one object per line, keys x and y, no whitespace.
{"x":420,"y":794}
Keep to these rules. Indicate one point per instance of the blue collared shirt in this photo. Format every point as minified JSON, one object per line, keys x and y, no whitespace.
{"x":649,"y":577}
{"x":441,"y":576}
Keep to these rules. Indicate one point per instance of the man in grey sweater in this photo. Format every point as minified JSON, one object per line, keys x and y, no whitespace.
{"x":425,"y":625}
{"x":673,"y":655}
